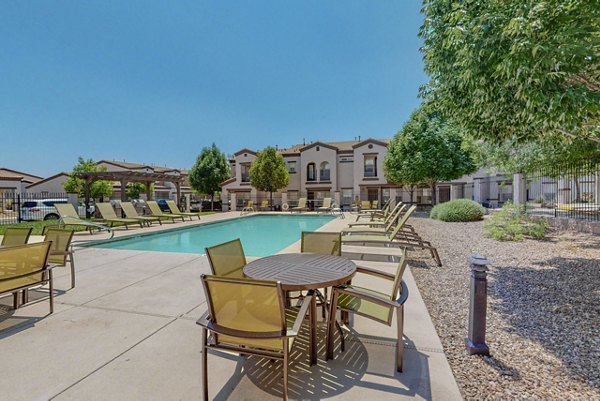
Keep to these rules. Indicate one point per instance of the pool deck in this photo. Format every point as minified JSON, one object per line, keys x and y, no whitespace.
{"x":127,"y":331}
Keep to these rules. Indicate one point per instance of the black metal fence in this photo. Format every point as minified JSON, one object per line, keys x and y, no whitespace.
{"x":17,"y":207}
{"x":570,"y":191}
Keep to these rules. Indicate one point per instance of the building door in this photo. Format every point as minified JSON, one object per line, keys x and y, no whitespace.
{"x":372,"y":194}
{"x":444,"y":194}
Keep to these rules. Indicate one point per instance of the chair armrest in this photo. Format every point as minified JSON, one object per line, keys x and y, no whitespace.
{"x":203,"y":321}
{"x":368,"y":297}
{"x":50,"y":266}
{"x":301,"y":315}
{"x":373,"y":272}
{"x":404,"y":294}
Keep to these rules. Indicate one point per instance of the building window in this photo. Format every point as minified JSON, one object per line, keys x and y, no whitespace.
{"x":346,"y":197}
{"x":311,"y":173}
{"x":245,"y":167}
{"x":324,"y":172}
{"x":370,"y":166}
{"x":291,"y":167}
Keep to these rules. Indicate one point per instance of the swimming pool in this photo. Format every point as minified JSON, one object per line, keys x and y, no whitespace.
{"x":261,"y":235}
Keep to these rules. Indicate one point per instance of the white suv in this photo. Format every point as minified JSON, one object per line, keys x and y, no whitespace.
{"x":43,"y":209}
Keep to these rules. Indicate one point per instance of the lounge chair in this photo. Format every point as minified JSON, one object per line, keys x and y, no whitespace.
{"x":110,"y":217}
{"x":70,"y":217}
{"x":264,"y":205}
{"x":61,"y":251}
{"x":365,"y":205}
{"x":25,"y":266}
{"x":398,"y":237}
{"x":227,"y":259}
{"x":301,"y":206}
{"x":375,"y":227}
{"x":249,"y":317}
{"x":131,"y":213}
{"x":381,"y":221}
{"x":326,"y":206}
{"x":374,"y":214}
{"x":175,"y":210}
{"x":156,"y":212}
{"x":375,"y":305}
{"x":16,"y":236}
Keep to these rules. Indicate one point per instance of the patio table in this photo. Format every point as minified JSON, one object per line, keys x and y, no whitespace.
{"x":303,"y":271}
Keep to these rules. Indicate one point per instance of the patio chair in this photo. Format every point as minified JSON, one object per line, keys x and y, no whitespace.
{"x":375,"y":227}
{"x":374,"y":214}
{"x":25,"y":266}
{"x":175,"y":210}
{"x":322,"y":243}
{"x":131,"y":213}
{"x":110,"y":217}
{"x":227,"y":259}
{"x":397,"y":237}
{"x":381,"y":221}
{"x":372,"y":304}
{"x":326,"y":206}
{"x":301,"y":206}
{"x":61,"y":251}
{"x":70,"y":217}
{"x":264,"y":205}
{"x":248,"y":317}
{"x":16,"y":236}
{"x":156,"y":212}
{"x":365,"y":205}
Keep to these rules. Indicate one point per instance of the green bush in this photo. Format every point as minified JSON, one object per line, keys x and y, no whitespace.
{"x":459,"y":210}
{"x":511,"y":223}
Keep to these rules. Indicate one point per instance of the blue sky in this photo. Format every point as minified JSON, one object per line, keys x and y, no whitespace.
{"x":153,"y":82}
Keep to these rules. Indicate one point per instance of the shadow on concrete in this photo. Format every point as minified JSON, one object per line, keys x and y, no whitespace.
{"x":558,"y":307}
{"x":11,"y":322}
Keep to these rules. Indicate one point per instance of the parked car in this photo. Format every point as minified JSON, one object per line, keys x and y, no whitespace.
{"x":162,"y":203}
{"x":43,"y":209}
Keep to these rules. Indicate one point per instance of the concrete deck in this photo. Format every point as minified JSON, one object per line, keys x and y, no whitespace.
{"x":127,"y":332}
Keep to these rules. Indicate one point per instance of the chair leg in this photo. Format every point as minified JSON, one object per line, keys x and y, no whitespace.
{"x":16,"y":300}
{"x":51,"y":282}
{"x":285,"y":368}
{"x":399,"y":340}
{"x":204,"y":366}
{"x":343,"y":342}
{"x":330,"y":323}
{"x":72,"y":263}
{"x":25,"y":296}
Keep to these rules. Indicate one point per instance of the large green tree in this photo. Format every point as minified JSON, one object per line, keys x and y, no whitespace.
{"x":268,"y":172}
{"x":427,"y":150}
{"x":209,"y":171}
{"x":515,"y":69}
{"x":98,"y":189}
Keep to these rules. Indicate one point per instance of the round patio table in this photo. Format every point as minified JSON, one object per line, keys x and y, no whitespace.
{"x":303,"y":271}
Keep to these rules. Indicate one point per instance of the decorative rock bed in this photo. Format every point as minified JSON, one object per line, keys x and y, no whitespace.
{"x":543,"y":326}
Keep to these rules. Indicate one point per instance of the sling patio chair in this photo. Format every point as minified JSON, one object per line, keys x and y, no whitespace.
{"x":175,"y":210}
{"x":321,"y":243}
{"x":16,"y":236}
{"x":61,"y":251}
{"x":376,"y":214}
{"x":227,"y":259}
{"x":301,"y":206}
{"x":249,"y":317}
{"x":326,"y":207}
{"x":70,"y":217}
{"x":25,"y":266}
{"x":390,"y":219}
{"x":156,"y":212}
{"x":365,"y":205}
{"x":264,"y":205}
{"x":398,"y":237}
{"x":375,"y":305}
{"x":376,"y":227}
{"x":131,"y":213}
{"x":110,"y":217}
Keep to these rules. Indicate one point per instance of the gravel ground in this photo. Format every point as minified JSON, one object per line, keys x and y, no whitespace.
{"x":543,"y":325}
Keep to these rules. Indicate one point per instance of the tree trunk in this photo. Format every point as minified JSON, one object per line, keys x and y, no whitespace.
{"x":433,"y":197}
{"x":212,"y":202}
{"x":577,"y":189}
{"x":271,"y":201}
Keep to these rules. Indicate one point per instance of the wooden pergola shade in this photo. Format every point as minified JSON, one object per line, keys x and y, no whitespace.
{"x":125,"y":177}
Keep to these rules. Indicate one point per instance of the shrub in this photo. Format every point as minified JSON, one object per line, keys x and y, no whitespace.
{"x":459,"y":210}
{"x":511,"y":223}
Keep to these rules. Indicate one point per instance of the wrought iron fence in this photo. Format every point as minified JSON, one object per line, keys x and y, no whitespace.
{"x":17,"y":207}
{"x":570,"y":191}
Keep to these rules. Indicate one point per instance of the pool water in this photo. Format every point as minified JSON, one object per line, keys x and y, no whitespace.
{"x":261,"y":235}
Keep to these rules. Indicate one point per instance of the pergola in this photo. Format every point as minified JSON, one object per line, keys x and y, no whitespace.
{"x":125,"y":177}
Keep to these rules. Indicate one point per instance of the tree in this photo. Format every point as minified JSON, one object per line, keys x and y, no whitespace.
{"x":427,"y":150}
{"x":268,"y":172}
{"x":209,"y":171}
{"x":515,"y":69}
{"x":135,"y":189}
{"x":98,"y":189}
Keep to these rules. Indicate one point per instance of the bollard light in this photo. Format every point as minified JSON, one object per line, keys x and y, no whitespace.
{"x":475,"y":340}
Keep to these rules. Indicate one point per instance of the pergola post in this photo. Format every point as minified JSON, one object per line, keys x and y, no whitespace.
{"x":148,"y":190}
{"x":178,"y":188}
{"x":87,"y":197}
{"x":123,"y":194}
